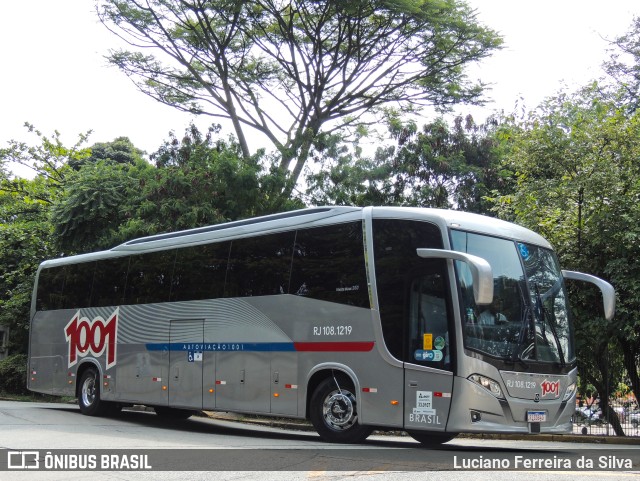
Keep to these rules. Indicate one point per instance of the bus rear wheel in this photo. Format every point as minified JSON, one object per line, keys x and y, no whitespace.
{"x":430,"y":438}
{"x":334,"y":412}
{"x":89,"y":394}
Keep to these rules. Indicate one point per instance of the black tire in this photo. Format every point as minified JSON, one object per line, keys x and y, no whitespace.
{"x":431,"y":439}
{"x":334,"y":412}
{"x":173,"y":413}
{"x":89,"y":394}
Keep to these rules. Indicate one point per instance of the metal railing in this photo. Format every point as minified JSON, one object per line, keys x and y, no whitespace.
{"x":590,"y":420}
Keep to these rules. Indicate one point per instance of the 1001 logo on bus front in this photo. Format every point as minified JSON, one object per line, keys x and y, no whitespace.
{"x":92,"y":337}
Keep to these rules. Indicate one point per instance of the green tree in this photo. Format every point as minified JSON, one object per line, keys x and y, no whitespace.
{"x":623,"y":66}
{"x":436,"y":166}
{"x":294,"y":69}
{"x":120,"y":151}
{"x":197,"y":180}
{"x":202,"y":179}
{"x":24,"y":243}
{"x":25,"y":230}
{"x":96,"y":202}
{"x":578,"y":184}
{"x":49,"y":159}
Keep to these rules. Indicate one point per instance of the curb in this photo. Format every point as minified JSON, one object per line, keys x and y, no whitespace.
{"x":300,"y":425}
{"x":304,"y":426}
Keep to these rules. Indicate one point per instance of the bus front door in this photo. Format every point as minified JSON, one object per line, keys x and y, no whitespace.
{"x":428,"y":375}
{"x":427,"y":398}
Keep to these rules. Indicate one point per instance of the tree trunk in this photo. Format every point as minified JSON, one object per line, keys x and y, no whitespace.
{"x":630,"y":356}
{"x":609,"y":414}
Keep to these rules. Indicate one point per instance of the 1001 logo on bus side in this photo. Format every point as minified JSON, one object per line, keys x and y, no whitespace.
{"x":92,"y":337}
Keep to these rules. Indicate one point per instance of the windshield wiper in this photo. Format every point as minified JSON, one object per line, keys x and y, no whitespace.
{"x":525,"y":325}
{"x":545,"y":318}
{"x":522,"y":338}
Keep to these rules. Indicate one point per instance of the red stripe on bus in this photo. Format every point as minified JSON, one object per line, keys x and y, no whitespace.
{"x":333,"y":346}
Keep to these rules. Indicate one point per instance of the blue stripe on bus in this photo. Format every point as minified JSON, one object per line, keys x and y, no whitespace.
{"x":223,"y":346}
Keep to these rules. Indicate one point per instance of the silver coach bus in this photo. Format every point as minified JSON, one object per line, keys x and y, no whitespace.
{"x":432,"y":321}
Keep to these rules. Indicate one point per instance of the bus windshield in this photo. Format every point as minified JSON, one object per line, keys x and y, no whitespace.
{"x":528,"y":319}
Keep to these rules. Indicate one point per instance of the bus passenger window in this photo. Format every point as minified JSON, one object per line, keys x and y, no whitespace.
{"x":199,"y":272}
{"x":260,"y":266}
{"x":328,"y":264}
{"x":149,"y":278}
{"x":77,"y":285}
{"x":109,"y":282}
{"x":65,"y":287}
{"x":50,"y":289}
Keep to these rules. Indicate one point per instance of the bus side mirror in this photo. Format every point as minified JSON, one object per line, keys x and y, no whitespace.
{"x":608,"y":292}
{"x":480,"y":271}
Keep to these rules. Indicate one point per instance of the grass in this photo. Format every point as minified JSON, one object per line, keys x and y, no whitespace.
{"x":35,"y":397}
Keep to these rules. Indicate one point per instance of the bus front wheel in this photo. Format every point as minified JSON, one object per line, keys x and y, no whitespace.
{"x":430,"y":438}
{"x":334,"y":412}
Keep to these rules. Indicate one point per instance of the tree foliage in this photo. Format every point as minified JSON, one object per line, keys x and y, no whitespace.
{"x":435,"y":166}
{"x":25,"y":231}
{"x":13,"y":374}
{"x":83,"y":200}
{"x":623,"y":66}
{"x":295,"y":68}
{"x":200,"y":179}
{"x":120,"y":151}
{"x":94,"y":206}
{"x":49,"y":159}
{"x":203,"y":179}
{"x":578,"y":184}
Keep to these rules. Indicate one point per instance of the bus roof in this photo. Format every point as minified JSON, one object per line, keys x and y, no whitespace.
{"x":466,"y":221}
{"x":297,"y":218}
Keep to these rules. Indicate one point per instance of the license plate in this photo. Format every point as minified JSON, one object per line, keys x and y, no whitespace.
{"x":536,"y":416}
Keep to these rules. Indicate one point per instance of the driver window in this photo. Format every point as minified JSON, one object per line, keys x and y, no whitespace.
{"x":428,"y":332}
{"x":412,"y":292}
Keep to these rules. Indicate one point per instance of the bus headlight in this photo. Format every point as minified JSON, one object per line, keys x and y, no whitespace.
{"x":489,"y":384}
{"x":571,"y":388}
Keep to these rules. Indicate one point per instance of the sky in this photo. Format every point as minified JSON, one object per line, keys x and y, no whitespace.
{"x":54,"y":75}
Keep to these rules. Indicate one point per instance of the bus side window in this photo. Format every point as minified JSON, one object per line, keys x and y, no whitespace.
{"x":77,"y":285}
{"x":109,"y":282}
{"x":149,"y":277}
{"x":328,"y":264}
{"x":50,"y":289}
{"x":65,"y":287}
{"x":260,"y":266}
{"x":200,"y":272}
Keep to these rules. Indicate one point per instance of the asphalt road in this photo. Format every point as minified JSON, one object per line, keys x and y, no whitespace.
{"x":204,"y":448}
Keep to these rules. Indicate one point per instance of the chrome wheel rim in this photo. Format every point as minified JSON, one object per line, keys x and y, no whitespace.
{"x":89,"y":391}
{"x":339,"y":410}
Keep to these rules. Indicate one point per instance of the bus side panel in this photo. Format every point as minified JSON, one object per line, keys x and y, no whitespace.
{"x":328,"y":334}
{"x":378,"y":385}
{"x":284,"y":383}
{"x":48,"y":364}
{"x":141,"y":375}
{"x":383,"y":405}
{"x":244,"y":381}
{"x":143,"y":355}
